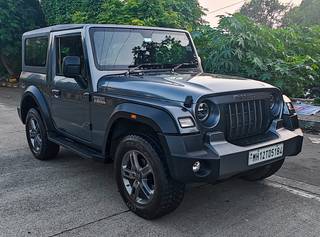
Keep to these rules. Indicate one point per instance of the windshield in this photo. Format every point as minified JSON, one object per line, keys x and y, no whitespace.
{"x":127,"y":48}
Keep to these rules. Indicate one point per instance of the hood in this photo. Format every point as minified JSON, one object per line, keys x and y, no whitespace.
{"x":176,"y":87}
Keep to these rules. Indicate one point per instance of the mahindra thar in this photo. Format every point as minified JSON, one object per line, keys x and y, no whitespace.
{"x":138,"y":97}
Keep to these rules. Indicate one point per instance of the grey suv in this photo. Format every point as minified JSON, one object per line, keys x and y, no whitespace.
{"x":138,"y":97}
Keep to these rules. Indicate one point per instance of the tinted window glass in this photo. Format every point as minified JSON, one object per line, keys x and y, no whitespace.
{"x":36,"y":51}
{"x":68,"y":46}
{"x":123,"y":48}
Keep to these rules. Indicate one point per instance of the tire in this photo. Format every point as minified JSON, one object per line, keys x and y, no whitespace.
{"x":37,"y":137}
{"x":152,"y":194}
{"x":263,"y":172}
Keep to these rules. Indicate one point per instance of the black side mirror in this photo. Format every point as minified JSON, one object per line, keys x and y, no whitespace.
{"x":71,"y":66}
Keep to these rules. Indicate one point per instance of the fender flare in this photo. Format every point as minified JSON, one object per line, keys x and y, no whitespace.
{"x":38,"y":97}
{"x":158,"y":119}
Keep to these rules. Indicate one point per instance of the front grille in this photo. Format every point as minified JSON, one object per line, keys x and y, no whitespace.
{"x":246,"y":119}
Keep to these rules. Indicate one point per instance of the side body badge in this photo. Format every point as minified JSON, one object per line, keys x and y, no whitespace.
{"x":99,"y":100}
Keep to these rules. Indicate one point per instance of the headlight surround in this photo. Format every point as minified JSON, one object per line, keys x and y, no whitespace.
{"x":207,"y":113}
{"x":275,"y":103}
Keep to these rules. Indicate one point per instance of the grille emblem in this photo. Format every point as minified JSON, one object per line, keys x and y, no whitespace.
{"x":242,"y":97}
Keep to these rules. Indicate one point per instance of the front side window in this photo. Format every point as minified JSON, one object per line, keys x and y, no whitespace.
{"x":36,"y":51}
{"x":125,"y":48}
{"x":68,"y":46}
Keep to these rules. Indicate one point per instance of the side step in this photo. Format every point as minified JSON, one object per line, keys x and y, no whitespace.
{"x":76,"y":147}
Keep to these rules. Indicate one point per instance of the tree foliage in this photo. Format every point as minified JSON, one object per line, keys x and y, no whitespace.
{"x":16,"y":17}
{"x":266,"y":12}
{"x":71,"y":11}
{"x":288,"y":58}
{"x":178,"y":13}
{"x":307,"y":14}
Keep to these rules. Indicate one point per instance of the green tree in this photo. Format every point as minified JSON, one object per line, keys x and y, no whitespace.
{"x":178,"y":13}
{"x":71,"y":11}
{"x":267,"y":12}
{"x":138,"y":12}
{"x":307,"y":14}
{"x":16,"y":17}
{"x":286,"y":57}
{"x":181,"y":14}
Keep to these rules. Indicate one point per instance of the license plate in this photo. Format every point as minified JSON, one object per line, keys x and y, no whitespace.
{"x":264,"y":154}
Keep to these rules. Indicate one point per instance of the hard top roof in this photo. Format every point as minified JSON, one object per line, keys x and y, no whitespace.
{"x":47,"y":30}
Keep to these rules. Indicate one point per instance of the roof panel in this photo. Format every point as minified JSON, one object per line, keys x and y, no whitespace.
{"x":49,"y":29}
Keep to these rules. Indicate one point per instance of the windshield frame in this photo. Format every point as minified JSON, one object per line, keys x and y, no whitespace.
{"x":94,"y":29}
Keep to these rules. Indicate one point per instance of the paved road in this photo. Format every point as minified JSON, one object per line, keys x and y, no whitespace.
{"x":71,"y":196}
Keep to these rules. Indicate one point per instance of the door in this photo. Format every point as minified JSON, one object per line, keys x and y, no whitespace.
{"x":70,"y":102}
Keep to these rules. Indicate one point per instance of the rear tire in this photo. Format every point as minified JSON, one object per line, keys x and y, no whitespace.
{"x":37,"y":137}
{"x":143,"y":179}
{"x":263,"y":172}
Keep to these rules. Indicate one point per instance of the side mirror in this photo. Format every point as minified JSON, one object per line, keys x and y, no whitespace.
{"x":71,"y":66}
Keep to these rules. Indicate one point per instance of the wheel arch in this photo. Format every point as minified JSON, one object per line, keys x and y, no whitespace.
{"x":149,"y":122}
{"x":33,"y":98}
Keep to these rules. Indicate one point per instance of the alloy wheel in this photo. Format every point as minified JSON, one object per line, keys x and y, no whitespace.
{"x":138,"y":177}
{"x":35,"y":135}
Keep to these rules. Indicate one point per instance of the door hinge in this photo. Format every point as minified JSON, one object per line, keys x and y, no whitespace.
{"x":87,"y":95}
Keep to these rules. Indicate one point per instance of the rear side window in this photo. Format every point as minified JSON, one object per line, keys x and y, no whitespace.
{"x":36,"y":52}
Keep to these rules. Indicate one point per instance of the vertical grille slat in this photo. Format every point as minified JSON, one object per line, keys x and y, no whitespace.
{"x":261,"y":116}
{"x":237,"y":120}
{"x":255,"y":114}
{"x":249,"y":115}
{"x":245,"y":119}
{"x":230,"y":120}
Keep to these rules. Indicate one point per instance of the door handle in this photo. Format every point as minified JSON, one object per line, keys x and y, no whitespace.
{"x":56,"y":93}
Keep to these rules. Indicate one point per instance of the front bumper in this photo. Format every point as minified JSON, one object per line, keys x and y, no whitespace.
{"x":220,"y":159}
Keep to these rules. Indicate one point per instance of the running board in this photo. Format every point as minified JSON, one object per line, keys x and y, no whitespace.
{"x":76,"y":147}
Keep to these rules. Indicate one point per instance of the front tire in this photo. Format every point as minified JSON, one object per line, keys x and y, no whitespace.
{"x":263,"y":172}
{"x":143,"y":179}
{"x":40,"y":146}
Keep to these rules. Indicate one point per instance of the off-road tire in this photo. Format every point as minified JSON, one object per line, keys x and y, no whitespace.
{"x":168,"y":193}
{"x":263,"y":172}
{"x":48,"y":150}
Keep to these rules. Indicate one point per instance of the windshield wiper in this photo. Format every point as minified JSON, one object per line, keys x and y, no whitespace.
{"x":181,"y":65}
{"x":135,"y":68}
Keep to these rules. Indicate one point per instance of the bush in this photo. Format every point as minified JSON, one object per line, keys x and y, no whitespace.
{"x":316,"y":101}
{"x":288,"y":57}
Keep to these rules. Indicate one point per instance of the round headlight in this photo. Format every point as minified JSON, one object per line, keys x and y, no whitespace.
{"x":208,"y":113}
{"x":203,"y":111}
